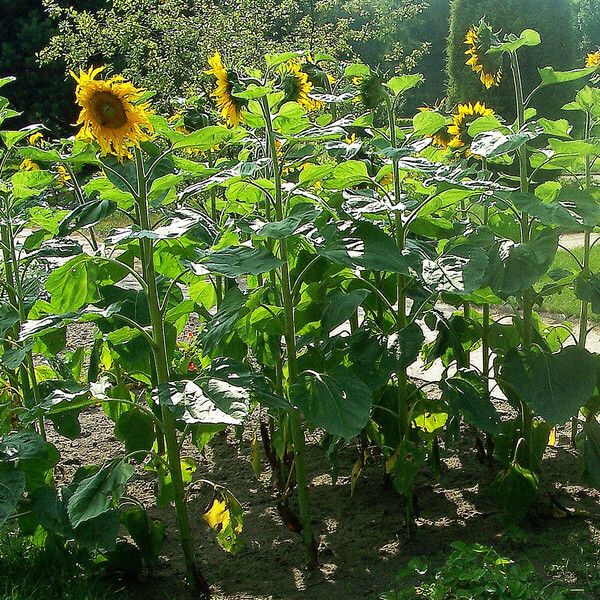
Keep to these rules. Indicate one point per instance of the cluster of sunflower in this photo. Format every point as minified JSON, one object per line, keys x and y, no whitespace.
{"x":37,"y":140}
{"x":297,"y":81}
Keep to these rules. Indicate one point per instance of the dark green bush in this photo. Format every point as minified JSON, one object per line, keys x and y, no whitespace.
{"x":552,"y":19}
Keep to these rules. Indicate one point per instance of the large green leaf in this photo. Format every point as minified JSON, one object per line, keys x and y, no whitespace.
{"x":12,"y":486}
{"x":366,"y":246}
{"x":337,"y":401}
{"x":556,"y":385}
{"x":341,"y":306}
{"x":237,"y":261}
{"x":98,"y":493}
{"x":468,"y":395}
{"x":190,"y":404}
{"x":492,"y":144}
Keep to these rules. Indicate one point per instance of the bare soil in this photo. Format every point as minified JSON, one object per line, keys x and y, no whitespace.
{"x":362,"y":537}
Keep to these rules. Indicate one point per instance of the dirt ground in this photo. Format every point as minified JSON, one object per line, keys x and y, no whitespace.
{"x":362,"y":537}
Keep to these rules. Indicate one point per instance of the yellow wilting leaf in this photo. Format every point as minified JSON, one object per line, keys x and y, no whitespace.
{"x":390,"y":463}
{"x":255,"y":457}
{"x":552,"y":437}
{"x":357,"y":470}
{"x":217,"y":516}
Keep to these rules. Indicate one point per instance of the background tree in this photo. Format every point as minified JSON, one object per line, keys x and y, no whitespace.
{"x":588,"y":23}
{"x":553,"y":19}
{"x":165,"y":45}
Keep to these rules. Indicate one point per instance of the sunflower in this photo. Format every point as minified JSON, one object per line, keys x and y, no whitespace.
{"x":593,"y":59}
{"x":111,"y":113}
{"x":229,"y":106}
{"x":29,"y":165}
{"x":62,"y":176}
{"x":297,"y":86}
{"x":35,"y":139}
{"x":465,"y":115}
{"x":479,"y":39}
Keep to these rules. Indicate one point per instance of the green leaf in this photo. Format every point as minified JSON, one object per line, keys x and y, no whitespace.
{"x":136,"y":429}
{"x":341,"y":306}
{"x":528,"y":37}
{"x":556,"y":385}
{"x":591,"y":452}
{"x":366,"y":246}
{"x":237,"y":261}
{"x":468,"y":395}
{"x":98,"y":493}
{"x":548,"y":213}
{"x":12,"y":486}
{"x":274,"y":60}
{"x":146,"y":532}
{"x":549,"y":76}
{"x":493,"y":143}
{"x":301,"y":213}
{"x":337,"y":401}
{"x":515,"y":489}
{"x":11,"y":138}
{"x":403,"y":83}
{"x":428,"y":122}
{"x":86,"y":215}
{"x":208,"y":138}
{"x":190,"y":404}
{"x":73,"y":285}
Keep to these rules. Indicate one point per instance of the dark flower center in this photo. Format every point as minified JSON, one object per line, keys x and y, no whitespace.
{"x":108,"y":110}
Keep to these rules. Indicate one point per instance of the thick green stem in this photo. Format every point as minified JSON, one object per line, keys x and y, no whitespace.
{"x":587,"y":246}
{"x":527,"y":304}
{"x":290,"y":342}
{"x":16,"y":296}
{"x":197,"y":582}
{"x":403,"y":407}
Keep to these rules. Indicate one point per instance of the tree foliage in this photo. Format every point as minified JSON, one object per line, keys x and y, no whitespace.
{"x":553,"y":19}
{"x":165,"y":45}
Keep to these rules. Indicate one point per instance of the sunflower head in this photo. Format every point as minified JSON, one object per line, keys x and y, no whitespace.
{"x":29,"y":165}
{"x":459,"y":129}
{"x":229,"y":106}
{"x":488,"y":66}
{"x":297,"y":86}
{"x":593,"y":59}
{"x":62,"y":176}
{"x":36,"y":139}
{"x":112,"y":113}
{"x":371,"y":90}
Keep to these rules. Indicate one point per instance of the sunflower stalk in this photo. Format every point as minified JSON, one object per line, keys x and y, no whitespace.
{"x":16,"y":296}
{"x":403,"y":408}
{"x":297,"y":431}
{"x":198,"y":583}
{"x":527,"y":301}
{"x":585,"y":267}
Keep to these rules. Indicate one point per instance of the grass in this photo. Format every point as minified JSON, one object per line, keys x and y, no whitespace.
{"x":29,"y":572}
{"x":566,"y":302}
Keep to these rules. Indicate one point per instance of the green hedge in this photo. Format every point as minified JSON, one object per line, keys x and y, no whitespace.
{"x":555,"y":22}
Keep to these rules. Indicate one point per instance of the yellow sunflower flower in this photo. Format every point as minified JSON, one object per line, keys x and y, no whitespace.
{"x":593,"y":59}
{"x":35,"y":138}
{"x":229,"y":106}
{"x":488,"y":67}
{"x":465,"y":115}
{"x":297,"y":86}
{"x":111,"y":112}
{"x":62,"y":176}
{"x":29,"y":165}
